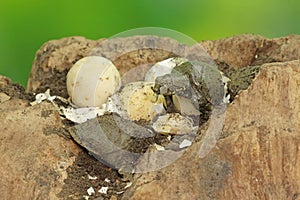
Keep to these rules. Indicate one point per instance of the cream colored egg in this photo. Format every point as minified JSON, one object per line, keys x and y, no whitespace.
{"x":140,"y":102}
{"x":92,"y":80}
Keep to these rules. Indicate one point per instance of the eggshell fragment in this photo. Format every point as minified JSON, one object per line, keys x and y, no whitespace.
{"x":173,"y":123}
{"x":140,"y":101}
{"x":92,"y":80}
{"x":90,"y":191}
{"x":163,"y":67}
{"x":185,"y":106}
{"x":103,"y":190}
{"x":185,"y":143}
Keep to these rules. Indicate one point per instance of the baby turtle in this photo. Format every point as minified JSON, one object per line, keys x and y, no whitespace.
{"x":200,"y":82}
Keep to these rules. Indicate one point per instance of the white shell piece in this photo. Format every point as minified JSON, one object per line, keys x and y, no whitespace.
{"x":225,"y":80}
{"x":90,"y":191}
{"x":86,"y":197}
{"x":103,"y":190}
{"x":185,"y":143}
{"x":80,"y":115}
{"x":114,"y":105}
{"x":128,"y":185}
{"x":92,"y":177}
{"x":140,"y":102}
{"x":43,"y":96}
{"x":92,"y":80}
{"x":173,"y":123}
{"x":159,"y":147}
{"x":163,"y":67}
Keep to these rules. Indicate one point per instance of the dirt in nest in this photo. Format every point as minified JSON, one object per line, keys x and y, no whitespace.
{"x":78,"y":182}
{"x":81,"y":173}
{"x":240,"y":79}
{"x":56,"y":84}
{"x":88,"y":172}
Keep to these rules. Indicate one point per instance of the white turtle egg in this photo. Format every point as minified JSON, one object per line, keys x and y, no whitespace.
{"x":140,"y":102}
{"x":163,"y":67}
{"x":92,"y":80}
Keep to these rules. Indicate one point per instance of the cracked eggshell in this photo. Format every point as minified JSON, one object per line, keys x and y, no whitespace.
{"x":92,"y":80}
{"x":173,"y":123}
{"x":185,"y":106}
{"x":140,"y":102}
{"x":163,"y":67}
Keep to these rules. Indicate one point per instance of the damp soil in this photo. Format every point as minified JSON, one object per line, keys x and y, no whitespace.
{"x":57,"y":83}
{"x":240,"y":79}
{"x":88,"y":172}
{"x":78,"y":182}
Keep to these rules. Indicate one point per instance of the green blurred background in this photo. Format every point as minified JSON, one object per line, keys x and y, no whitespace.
{"x":26,"y":25}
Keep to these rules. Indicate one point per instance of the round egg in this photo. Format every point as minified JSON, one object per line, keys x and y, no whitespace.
{"x":140,"y":102}
{"x":91,"y":80}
